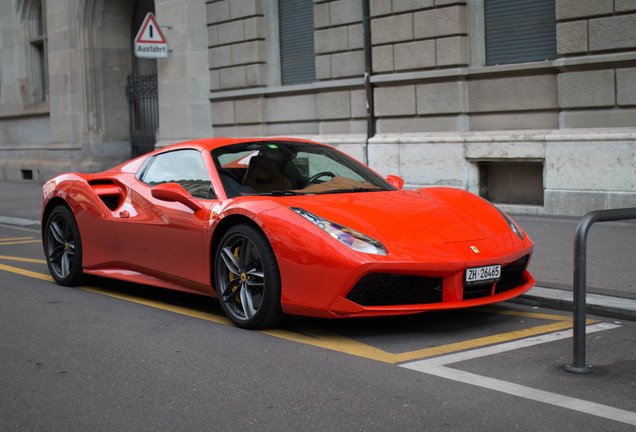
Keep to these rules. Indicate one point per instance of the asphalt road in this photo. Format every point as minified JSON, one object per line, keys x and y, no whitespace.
{"x":116,"y":356}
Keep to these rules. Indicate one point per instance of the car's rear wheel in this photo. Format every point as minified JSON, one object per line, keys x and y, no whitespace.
{"x":247,"y":278}
{"x":63,"y":246}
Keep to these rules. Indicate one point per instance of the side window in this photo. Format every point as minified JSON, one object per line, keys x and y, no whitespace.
{"x":185,"y":167}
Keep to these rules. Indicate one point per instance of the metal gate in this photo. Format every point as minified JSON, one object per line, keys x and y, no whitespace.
{"x":143,"y":106}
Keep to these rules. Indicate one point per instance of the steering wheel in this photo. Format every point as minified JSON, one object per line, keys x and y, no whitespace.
{"x":315,"y":177}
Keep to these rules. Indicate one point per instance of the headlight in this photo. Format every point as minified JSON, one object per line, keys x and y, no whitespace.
{"x":513,"y":225}
{"x":350,"y":238}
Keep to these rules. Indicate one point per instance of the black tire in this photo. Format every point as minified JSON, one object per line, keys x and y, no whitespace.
{"x":63,"y":246}
{"x":247,"y":278}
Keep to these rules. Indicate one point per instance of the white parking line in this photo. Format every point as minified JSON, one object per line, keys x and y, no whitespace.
{"x":437,"y":366}
{"x":502,"y":347}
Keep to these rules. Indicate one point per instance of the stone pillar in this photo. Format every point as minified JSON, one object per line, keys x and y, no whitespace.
{"x":183,"y":77}
{"x":65,"y":91}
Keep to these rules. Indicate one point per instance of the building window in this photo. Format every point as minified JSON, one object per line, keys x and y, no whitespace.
{"x":296,"y":24}
{"x":520,"y":31}
{"x":38,"y":40}
{"x":515,"y":182}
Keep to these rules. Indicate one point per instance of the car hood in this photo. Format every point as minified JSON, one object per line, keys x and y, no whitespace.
{"x":435,"y":215}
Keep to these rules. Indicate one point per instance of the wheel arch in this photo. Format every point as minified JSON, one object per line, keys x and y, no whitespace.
{"x":54,"y":202}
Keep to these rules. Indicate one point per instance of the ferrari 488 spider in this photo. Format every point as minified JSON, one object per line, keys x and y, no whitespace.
{"x":282,"y":226}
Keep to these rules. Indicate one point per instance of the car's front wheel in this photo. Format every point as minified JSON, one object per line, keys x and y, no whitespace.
{"x":63,"y":247}
{"x":247,"y":278}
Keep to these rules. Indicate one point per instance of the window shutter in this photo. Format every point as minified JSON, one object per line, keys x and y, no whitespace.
{"x":520,"y":31}
{"x":296,"y":23}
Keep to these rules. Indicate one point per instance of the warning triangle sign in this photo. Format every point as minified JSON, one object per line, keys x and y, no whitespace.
{"x":149,"y":42}
{"x":149,"y":32}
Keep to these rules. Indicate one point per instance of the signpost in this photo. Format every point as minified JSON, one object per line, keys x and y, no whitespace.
{"x":149,"y":42}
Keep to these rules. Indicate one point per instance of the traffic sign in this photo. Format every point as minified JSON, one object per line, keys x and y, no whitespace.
{"x":149,"y":42}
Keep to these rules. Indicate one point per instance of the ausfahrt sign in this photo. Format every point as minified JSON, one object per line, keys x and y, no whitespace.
{"x":149,"y":42}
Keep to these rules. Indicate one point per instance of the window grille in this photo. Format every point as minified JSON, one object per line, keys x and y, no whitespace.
{"x":296,"y":26}
{"x":520,"y":31}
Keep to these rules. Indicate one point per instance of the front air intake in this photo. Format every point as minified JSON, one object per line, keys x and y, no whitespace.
{"x":383,"y":289}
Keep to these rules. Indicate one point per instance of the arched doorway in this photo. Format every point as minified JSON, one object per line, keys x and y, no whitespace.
{"x":105,"y":54}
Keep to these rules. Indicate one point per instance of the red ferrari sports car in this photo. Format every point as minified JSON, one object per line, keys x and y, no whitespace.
{"x":282,"y":226}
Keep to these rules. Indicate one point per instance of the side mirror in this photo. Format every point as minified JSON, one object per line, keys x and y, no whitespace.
{"x":396,"y":181}
{"x":174,"y":192}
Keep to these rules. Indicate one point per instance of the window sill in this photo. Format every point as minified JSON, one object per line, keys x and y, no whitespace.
{"x":36,"y":111}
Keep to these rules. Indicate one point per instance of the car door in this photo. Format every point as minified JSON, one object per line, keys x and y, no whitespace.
{"x":166,"y":238}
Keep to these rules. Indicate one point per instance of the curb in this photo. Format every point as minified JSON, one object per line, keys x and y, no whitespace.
{"x":20,"y":222}
{"x":608,"y":306}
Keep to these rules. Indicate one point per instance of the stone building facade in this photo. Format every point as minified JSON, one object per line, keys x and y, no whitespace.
{"x":530,"y":104}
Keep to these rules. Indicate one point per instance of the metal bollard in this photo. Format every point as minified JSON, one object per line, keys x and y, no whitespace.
{"x":578,"y":365}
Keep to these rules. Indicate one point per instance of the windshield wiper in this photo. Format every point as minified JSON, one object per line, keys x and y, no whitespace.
{"x":351,"y":190}
{"x":279,"y":193}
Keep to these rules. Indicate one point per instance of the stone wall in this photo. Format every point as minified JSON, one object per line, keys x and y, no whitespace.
{"x":236,"y":40}
{"x":584,"y":169}
{"x":426,"y":77}
{"x":82,"y":124}
{"x":338,"y":40}
{"x":183,"y":78}
{"x":417,"y":35}
{"x":597,"y":85}
{"x":247,"y":97}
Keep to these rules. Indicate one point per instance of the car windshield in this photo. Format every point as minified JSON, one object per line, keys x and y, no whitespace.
{"x":291,"y":168}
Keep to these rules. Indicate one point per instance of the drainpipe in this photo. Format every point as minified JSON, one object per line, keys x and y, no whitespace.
{"x":368,"y":71}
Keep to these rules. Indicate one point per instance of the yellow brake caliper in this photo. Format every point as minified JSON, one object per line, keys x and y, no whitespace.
{"x":233,"y":276}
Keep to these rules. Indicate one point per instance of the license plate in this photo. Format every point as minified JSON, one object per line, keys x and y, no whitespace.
{"x":484,"y":274}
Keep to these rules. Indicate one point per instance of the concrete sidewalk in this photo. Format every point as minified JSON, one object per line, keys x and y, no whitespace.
{"x":611,"y":249}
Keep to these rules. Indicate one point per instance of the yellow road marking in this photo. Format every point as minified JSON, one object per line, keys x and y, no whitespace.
{"x":331,"y":341}
{"x":483,"y":341}
{"x":7,"y":243}
{"x":313,"y":337}
{"x":160,"y":305}
{"x":29,"y":260}
{"x":323,"y":339}
{"x":16,"y":238}
{"x":28,"y":273}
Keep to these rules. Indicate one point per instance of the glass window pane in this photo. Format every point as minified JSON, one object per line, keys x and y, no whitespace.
{"x":185,"y":167}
